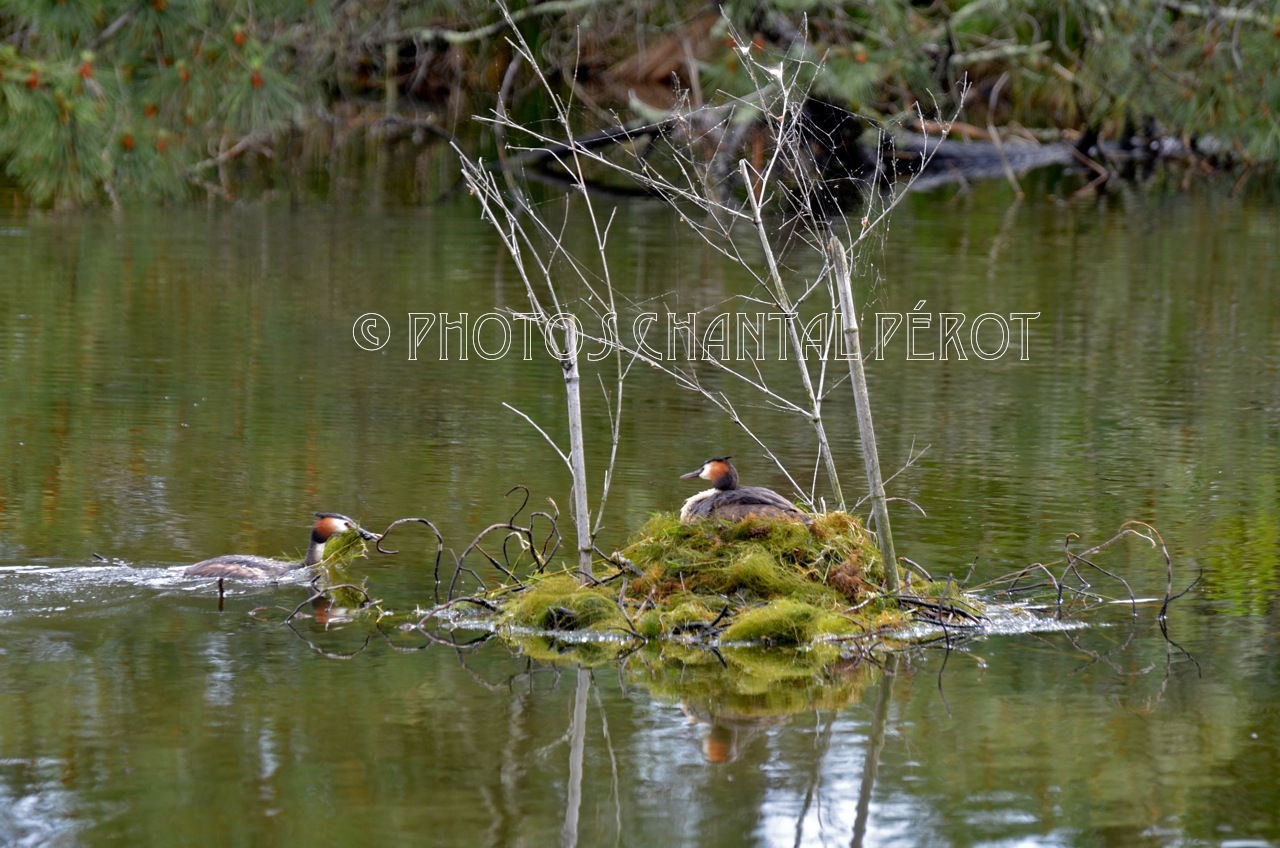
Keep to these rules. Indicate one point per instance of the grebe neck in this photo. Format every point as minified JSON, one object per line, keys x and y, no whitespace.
{"x":315,"y":552}
{"x":726,"y":478}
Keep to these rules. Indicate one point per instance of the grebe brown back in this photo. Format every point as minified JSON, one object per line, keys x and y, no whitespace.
{"x":249,"y":567}
{"x":728,"y":501}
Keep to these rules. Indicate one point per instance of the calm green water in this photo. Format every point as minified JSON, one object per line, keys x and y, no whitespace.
{"x":183,"y":383}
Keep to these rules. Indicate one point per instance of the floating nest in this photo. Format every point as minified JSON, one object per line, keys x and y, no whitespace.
{"x":756,"y":582}
{"x":741,"y":624}
{"x":759,"y":581}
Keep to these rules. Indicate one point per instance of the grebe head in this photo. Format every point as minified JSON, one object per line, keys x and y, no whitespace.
{"x":717,"y":470}
{"x":330,"y":524}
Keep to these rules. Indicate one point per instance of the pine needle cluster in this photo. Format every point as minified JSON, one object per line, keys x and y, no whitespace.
{"x":125,"y":98}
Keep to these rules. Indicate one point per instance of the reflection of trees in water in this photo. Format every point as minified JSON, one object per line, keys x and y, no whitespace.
{"x":1047,"y":736}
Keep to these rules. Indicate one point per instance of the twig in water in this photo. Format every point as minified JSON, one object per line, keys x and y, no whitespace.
{"x":475,"y":546}
{"x":918,"y":567}
{"x":1072,"y":559}
{"x":439,"y":546}
{"x":946,"y":658}
{"x":457,"y":570}
{"x":525,"y":535}
{"x":942,"y":609}
{"x":434,"y":611}
{"x":330,"y":655}
{"x":622,"y":607}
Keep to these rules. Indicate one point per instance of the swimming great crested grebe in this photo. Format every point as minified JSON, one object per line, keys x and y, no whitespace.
{"x":248,"y":567}
{"x":730,"y":502}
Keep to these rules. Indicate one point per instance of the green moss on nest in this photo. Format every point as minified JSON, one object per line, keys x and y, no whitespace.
{"x":786,"y":622}
{"x":757,"y":580}
{"x":762,"y":575}
{"x":760,"y":559}
{"x":784,"y":582}
{"x":650,"y":625}
{"x":560,"y":602}
{"x":685,"y":614}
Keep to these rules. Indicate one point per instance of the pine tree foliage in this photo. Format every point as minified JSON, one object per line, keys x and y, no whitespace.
{"x":124,"y":98}
{"x":1201,"y":69}
{"x":1197,"y":68}
{"x":117,"y":99}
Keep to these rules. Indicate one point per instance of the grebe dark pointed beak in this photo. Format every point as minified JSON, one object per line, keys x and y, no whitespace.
{"x":367,"y":535}
{"x":694,"y":473}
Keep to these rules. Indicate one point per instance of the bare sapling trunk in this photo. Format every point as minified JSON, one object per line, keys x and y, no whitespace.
{"x":778,"y":290}
{"x":577,"y":455}
{"x":862,"y":406}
